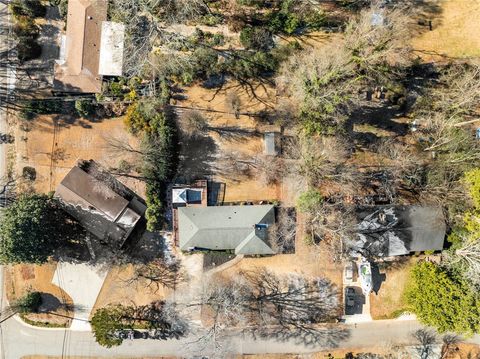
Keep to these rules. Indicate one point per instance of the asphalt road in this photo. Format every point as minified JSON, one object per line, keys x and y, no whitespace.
{"x":21,"y":340}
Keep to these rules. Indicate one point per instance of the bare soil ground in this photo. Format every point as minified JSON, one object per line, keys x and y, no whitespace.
{"x":118,"y":289}
{"x":455,"y":31}
{"x":53,"y":144}
{"x":389,"y":299}
{"x":226,"y":134}
{"x":21,"y":278}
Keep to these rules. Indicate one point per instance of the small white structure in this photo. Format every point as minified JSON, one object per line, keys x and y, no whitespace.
{"x":270,"y":143}
{"x":111,"y":49}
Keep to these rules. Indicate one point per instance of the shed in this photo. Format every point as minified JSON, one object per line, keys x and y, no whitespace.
{"x":270,"y":141}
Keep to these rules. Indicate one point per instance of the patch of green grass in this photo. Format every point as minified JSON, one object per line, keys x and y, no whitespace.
{"x":40,"y":323}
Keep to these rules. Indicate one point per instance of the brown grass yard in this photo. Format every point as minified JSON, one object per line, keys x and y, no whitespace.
{"x":21,"y":278}
{"x":116,"y":289}
{"x":390,"y":298}
{"x":227,"y":134}
{"x":455,"y":31}
{"x":54,"y":149}
{"x":312,"y":262}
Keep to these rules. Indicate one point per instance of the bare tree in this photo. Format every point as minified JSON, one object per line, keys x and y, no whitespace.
{"x":233,"y":103}
{"x":325,"y":83}
{"x":266,"y":304}
{"x":157,"y":274}
{"x":450,"y":342}
{"x":467,"y":256}
{"x":193,"y":123}
{"x":426,"y":339}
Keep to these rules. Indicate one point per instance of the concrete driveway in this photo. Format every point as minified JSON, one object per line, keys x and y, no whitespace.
{"x":82,"y":283}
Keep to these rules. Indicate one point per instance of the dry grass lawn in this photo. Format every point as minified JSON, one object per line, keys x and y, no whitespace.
{"x":227,"y":134}
{"x":54,"y":150}
{"x":117,"y":289}
{"x":21,"y":278}
{"x":455,"y":31}
{"x":313,"y":262}
{"x":390,"y":297}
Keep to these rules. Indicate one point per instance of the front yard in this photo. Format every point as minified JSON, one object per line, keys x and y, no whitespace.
{"x":389,"y":301}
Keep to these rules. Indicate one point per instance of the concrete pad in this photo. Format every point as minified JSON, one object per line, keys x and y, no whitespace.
{"x":82,"y":282}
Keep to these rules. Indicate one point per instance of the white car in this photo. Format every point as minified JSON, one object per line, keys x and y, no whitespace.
{"x":348,"y":272}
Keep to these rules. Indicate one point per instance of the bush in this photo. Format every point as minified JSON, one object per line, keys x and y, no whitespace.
{"x":256,"y":38}
{"x":31,"y":108}
{"x":309,"y":201}
{"x":85,"y":107}
{"x":30,"y":8}
{"x":29,"y":173}
{"x":472,"y":179}
{"x":29,"y":303}
{"x":443,"y":300}
{"x":28,"y":49}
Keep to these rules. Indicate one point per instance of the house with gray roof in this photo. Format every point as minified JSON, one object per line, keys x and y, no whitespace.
{"x":386,"y":231}
{"x":243,"y":229}
{"x":100,"y":203}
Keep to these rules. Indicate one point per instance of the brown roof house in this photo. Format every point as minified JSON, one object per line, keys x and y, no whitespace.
{"x":101,"y":204}
{"x":91,"y":48}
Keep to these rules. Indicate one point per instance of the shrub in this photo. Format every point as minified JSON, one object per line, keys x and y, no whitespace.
{"x":443,"y":300}
{"x":29,"y":303}
{"x":85,"y":107}
{"x":29,"y":173}
{"x":31,"y":108}
{"x":28,"y":49}
{"x":256,"y":38}
{"x":472,"y":179}
{"x":309,"y":201}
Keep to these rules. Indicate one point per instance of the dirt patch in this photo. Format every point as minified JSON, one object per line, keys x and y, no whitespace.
{"x":229,"y":135}
{"x":337,"y":354}
{"x":21,"y":278}
{"x":389,"y":300}
{"x":118,"y":288}
{"x":52,"y":144}
{"x":454,"y":32}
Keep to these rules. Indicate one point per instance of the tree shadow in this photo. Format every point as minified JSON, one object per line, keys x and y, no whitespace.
{"x":197,"y":155}
{"x":235,"y":133}
{"x":306,"y":335}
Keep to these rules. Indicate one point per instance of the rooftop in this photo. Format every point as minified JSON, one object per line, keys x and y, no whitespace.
{"x":99,"y":209}
{"x":240,"y":228}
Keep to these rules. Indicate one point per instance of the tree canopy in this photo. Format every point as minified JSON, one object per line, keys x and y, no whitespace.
{"x":443,"y":299}
{"x":32,"y":229}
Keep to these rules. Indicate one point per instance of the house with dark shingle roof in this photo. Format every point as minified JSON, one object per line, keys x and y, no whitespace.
{"x":243,"y":229}
{"x":392,"y":230}
{"x":100,"y":203}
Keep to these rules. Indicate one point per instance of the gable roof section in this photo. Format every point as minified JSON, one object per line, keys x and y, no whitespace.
{"x":79,"y":72}
{"x":225,"y":227}
{"x":99,"y":209}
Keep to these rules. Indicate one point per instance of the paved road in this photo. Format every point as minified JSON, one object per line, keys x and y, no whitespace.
{"x":21,"y":340}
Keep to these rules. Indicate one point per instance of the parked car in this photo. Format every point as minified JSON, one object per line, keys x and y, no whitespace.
{"x":349,"y":297}
{"x":348,"y":272}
